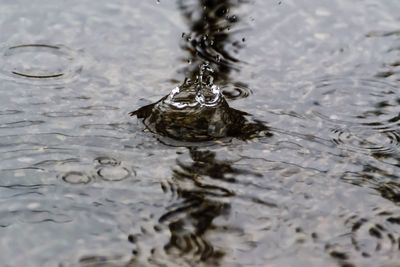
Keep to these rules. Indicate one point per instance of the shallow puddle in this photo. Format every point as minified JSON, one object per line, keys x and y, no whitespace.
{"x":294,"y":163}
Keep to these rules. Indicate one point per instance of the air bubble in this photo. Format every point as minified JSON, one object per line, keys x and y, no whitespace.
{"x":113,"y":173}
{"x":76,"y":177}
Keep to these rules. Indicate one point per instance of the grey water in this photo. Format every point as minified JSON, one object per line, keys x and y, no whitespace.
{"x":296,"y":165}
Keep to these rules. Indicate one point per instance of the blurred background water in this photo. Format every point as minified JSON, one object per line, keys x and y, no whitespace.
{"x":316,"y":183}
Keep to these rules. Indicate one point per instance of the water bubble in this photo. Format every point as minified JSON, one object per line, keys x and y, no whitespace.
{"x":107,"y":161}
{"x":76,"y":177}
{"x":113,"y":173}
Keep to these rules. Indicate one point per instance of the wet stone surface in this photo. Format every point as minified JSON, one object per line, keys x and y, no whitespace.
{"x":283,"y":150}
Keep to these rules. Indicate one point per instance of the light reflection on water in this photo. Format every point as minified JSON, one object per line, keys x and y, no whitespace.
{"x":310,"y":178}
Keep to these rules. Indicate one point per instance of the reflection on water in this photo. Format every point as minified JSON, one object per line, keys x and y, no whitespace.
{"x":211,"y":25}
{"x":194,"y":112}
{"x":282,"y":150}
{"x":198,"y":193}
{"x":190,"y":218}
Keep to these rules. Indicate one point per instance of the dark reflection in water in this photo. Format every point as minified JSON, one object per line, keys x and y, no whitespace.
{"x":210,"y":24}
{"x":199,"y":204}
{"x":390,"y":69}
{"x":384,"y":182}
{"x":199,"y":194}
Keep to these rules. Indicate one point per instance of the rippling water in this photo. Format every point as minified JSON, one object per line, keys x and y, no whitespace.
{"x":303,"y":173}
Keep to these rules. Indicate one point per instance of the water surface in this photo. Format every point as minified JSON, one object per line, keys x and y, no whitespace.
{"x":312,"y":182}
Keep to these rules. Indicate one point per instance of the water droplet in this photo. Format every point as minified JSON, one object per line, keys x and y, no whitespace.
{"x":232,"y":18}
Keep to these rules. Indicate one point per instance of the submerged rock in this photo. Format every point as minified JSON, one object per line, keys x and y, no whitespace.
{"x":197,"y":111}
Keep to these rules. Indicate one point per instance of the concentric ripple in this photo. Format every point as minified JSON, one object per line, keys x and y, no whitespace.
{"x":363,"y":114}
{"x":366,"y":140}
{"x":110,"y":169}
{"x":366,"y":102}
{"x":39,"y":63}
{"x":103,"y":160}
{"x":378,"y":235}
{"x":237,"y":91}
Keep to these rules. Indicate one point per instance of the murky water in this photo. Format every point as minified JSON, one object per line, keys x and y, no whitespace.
{"x":296,"y":164}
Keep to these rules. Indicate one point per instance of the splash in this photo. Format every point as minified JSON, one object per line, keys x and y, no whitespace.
{"x":200,"y":93}
{"x":196,"y":111}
